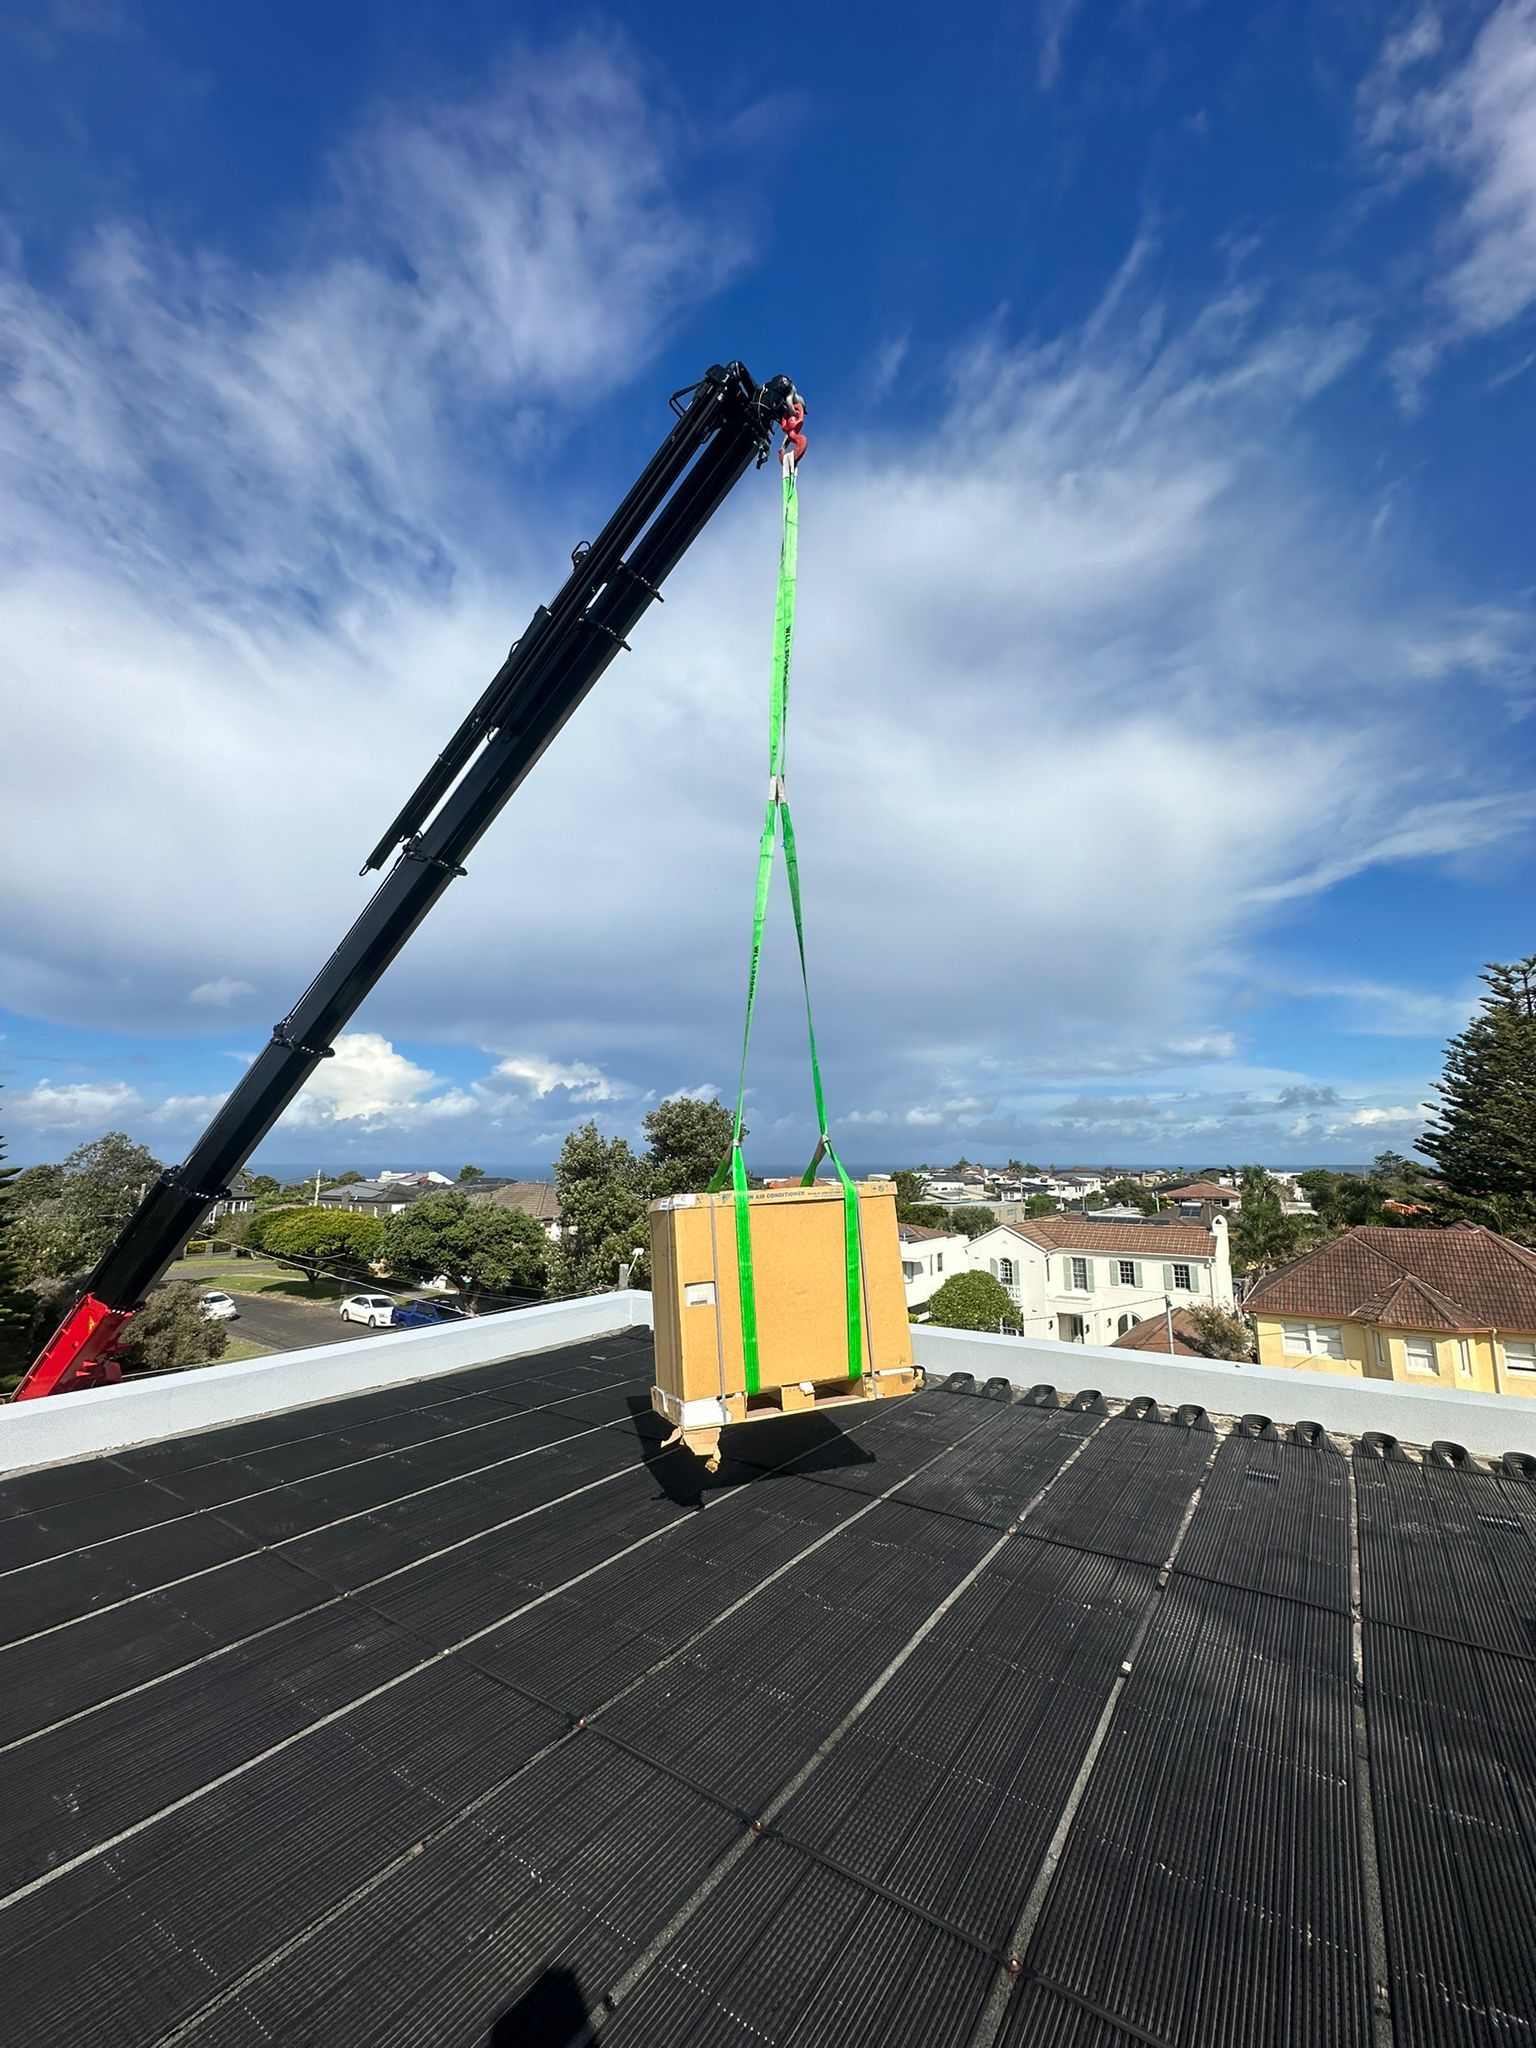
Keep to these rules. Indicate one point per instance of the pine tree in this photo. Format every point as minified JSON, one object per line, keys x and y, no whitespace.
{"x":1483,"y":1138}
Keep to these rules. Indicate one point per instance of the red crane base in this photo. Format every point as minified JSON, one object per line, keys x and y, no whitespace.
{"x":79,"y":1354}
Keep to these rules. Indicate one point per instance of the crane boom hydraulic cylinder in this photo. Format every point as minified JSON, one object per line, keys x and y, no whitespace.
{"x":723,"y":423}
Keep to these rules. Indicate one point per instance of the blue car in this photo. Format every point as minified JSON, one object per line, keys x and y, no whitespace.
{"x":421,"y":1315}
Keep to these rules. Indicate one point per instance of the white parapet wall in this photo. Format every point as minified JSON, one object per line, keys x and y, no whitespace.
{"x":104,"y":1419}
{"x":1487,"y":1424}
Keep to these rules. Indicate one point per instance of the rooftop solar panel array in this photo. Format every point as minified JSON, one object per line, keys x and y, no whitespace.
{"x":465,"y":1713}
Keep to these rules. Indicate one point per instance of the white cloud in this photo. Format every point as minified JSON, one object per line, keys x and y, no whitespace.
{"x":1399,"y":1119}
{"x":1383,"y":1009}
{"x":542,"y":1076}
{"x":370,"y":1086}
{"x":1474,"y":123}
{"x":221,"y":993}
{"x":91,"y":1106}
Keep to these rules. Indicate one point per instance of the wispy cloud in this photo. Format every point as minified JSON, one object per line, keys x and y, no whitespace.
{"x":1472,"y":122}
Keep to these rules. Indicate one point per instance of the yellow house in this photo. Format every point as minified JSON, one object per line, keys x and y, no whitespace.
{"x":1448,"y":1308}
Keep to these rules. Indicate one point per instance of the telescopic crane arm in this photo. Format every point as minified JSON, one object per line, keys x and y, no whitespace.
{"x":723,"y":423}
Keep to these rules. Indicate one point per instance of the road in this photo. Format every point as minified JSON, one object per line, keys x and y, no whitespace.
{"x":293,"y":1325}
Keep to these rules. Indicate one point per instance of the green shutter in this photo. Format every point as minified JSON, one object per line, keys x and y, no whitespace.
{"x":1088,"y":1269}
{"x":1137,"y":1270}
{"x":1167,"y":1279}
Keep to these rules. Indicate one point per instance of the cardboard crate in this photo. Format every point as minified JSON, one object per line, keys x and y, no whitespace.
{"x":800,"y":1276}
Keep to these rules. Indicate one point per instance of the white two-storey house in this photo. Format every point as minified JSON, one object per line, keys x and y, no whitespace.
{"x":1088,"y":1283}
{"x":928,"y":1257}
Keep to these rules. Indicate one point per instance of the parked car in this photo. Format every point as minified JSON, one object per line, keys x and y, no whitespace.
{"x":219,"y":1307}
{"x":421,"y":1315}
{"x":376,"y":1310}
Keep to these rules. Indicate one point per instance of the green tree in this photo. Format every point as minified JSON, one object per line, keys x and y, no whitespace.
{"x":1263,"y":1235}
{"x":926,"y":1215}
{"x":471,"y":1173}
{"x":973,"y":1301}
{"x":1041,"y":1205}
{"x":349,"y":1179}
{"x":909,"y":1190}
{"x":259,"y":1184}
{"x":1483,"y":1137}
{"x":685,"y":1143}
{"x":1219,"y":1332}
{"x":1128,"y":1193}
{"x":169,"y":1333}
{"x":601,"y":1187}
{"x":64,"y":1217}
{"x":264,"y":1220}
{"x":973,"y":1221}
{"x":325,"y":1240}
{"x":480,"y":1248}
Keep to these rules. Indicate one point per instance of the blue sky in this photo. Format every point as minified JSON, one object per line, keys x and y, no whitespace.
{"x":1163,"y":753}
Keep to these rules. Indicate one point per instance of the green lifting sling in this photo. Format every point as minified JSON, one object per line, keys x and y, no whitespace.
{"x":733,"y":1167}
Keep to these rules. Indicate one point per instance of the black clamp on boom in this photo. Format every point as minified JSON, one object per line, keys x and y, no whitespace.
{"x":413,"y":850}
{"x":289,"y":1044}
{"x":175,"y":1179}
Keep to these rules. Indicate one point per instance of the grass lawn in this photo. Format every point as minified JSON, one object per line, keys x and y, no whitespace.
{"x":242,"y":1347}
{"x":259,"y":1276}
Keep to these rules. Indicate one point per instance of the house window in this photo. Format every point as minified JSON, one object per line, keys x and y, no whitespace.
{"x":1079,"y":1278}
{"x":1182,"y":1280}
{"x":1520,"y":1356}
{"x":1005,"y":1271}
{"x":1383,"y":1356}
{"x":1464,"y":1358}
{"x":910,"y":1270}
{"x":1126,"y":1322}
{"x":1127,"y":1269}
{"x":1314,"y":1340}
{"x":938,"y":1265}
{"x":1420,"y":1354}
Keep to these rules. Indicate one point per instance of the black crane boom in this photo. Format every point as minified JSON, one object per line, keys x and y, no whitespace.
{"x":724,"y":422}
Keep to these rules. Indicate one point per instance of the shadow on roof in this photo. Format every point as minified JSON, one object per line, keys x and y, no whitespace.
{"x":550,"y":2013}
{"x":814,"y":1443}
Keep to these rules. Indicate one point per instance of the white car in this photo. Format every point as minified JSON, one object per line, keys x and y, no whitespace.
{"x":218,"y":1307}
{"x":376,"y":1310}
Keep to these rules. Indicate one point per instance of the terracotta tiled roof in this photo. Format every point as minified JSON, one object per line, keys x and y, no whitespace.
{"x":1152,"y":1335}
{"x":1157,"y":1240}
{"x":914,"y":1233}
{"x":1201,"y":1191}
{"x":1464,"y":1278}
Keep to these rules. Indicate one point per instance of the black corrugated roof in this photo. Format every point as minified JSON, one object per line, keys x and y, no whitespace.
{"x":457,"y":1713}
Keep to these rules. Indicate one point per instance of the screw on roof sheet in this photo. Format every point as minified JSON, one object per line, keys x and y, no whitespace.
{"x":1381,"y":1445}
{"x":1310,"y":1435}
{"x":1088,"y":1402}
{"x":998,"y":1390}
{"x":1519,"y":1465}
{"x":1443,"y":1452}
{"x":1142,"y":1409}
{"x":1014,"y":1966}
{"x":1192,"y":1416}
{"x":960,"y":1383}
{"x":1042,"y":1396}
{"x":1258,"y":1426}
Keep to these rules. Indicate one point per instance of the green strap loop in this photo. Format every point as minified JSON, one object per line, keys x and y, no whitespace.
{"x":777,"y":818}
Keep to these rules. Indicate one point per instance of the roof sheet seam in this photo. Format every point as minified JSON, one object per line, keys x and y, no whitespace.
{"x":995,"y":2012}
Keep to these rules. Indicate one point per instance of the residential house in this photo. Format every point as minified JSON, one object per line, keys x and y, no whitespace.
{"x":1196,"y":1196}
{"x":369,"y":1197}
{"x":535,"y":1198}
{"x":928,"y":1257}
{"x":429,"y":1179}
{"x":1089,"y":1283}
{"x":1448,"y":1308}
